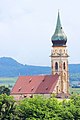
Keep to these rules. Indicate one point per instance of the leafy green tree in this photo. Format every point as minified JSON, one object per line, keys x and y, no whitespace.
{"x":7,"y":108}
{"x":32,"y":108}
{"x":39,"y":108}
{"x":4,"y":90}
{"x":75,"y":106}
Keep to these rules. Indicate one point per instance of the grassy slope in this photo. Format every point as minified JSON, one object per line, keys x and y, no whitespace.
{"x":75,"y":90}
{"x":8,"y":81}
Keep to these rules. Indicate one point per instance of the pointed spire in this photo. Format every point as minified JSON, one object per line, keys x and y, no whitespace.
{"x":58,"y":26}
{"x":59,"y":35}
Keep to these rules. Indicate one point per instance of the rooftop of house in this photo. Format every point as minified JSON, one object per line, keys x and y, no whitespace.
{"x":41,"y":84}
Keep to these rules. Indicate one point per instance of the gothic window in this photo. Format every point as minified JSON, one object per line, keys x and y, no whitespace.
{"x":64,"y":66}
{"x":56,"y":66}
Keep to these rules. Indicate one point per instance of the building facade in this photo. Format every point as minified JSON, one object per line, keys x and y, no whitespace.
{"x":59,"y":57}
{"x":57,"y":82}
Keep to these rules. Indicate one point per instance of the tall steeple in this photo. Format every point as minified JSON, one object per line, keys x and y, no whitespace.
{"x":59,"y":57}
{"x":59,"y":38}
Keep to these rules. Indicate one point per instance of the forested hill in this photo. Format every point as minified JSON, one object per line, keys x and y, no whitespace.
{"x":11,"y":68}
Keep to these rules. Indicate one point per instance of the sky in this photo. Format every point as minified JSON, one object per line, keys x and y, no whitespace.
{"x":26,"y":28}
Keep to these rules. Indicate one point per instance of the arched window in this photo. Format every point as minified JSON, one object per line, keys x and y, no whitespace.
{"x":56,"y":66}
{"x":64,"y":66}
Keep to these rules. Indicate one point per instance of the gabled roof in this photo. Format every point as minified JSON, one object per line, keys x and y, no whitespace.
{"x":42,"y":84}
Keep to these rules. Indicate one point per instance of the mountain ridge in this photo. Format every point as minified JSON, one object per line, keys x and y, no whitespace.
{"x":9,"y":67}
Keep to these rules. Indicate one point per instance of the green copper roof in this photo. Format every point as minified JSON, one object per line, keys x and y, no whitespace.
{"x":59,"y":34}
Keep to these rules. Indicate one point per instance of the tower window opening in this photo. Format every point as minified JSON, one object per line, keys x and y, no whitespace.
{"x":64,"y":67}
{"x":56,"y":66}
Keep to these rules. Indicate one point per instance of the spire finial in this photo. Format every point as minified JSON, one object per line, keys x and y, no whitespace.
{"x":58,"y":20}
{"x":58,"y":10}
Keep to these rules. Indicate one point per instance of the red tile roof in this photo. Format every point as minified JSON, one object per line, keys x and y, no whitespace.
{"x":42,"y":84}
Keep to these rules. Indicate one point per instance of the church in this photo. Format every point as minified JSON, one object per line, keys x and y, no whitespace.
{"x":58,"y":82}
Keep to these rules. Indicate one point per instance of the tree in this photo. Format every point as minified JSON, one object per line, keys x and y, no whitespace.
{"x":39,"y":108}
{"x":4,"y":90}
{"x":7,"y":108}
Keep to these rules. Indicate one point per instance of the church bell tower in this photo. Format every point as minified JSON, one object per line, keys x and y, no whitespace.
{"x":59,"y":57}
